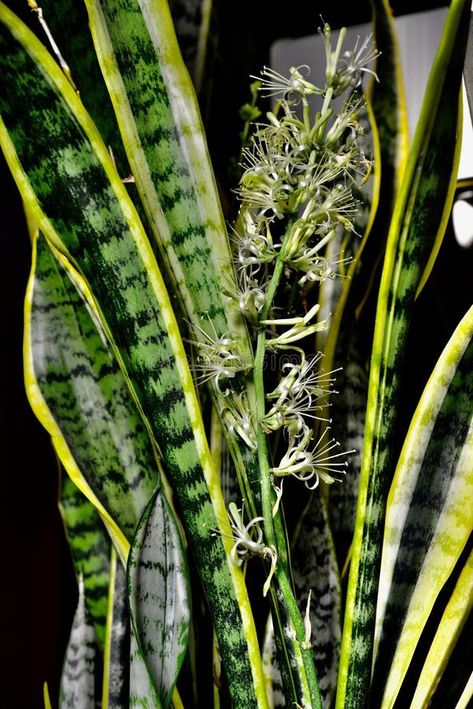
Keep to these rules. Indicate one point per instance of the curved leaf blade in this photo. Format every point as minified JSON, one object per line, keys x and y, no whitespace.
{"x":82,"y":207}
{"x":429,"y":518}
{"x":84,"y":389}
{"x":159,"y":595}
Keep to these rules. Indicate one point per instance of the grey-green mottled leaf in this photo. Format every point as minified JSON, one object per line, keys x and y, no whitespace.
{"x":85,"y":390}
{"x":90,"y":549}
{"x":142,"y":692}
{"x":429,"y":516}
{"x":315,"y":569}
{"x":78,"y":674}
{"x":159,"y":597}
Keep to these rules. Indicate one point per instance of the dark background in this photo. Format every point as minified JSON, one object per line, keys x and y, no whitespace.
{"x":37,"y":582}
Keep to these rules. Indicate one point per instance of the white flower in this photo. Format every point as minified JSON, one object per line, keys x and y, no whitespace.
{"x":300,"y":328}
{"x":355,"y":62}
{"x":249,"y":542}
{"x":219,"y":360}
{"x":236,"y":414}
{"x":310,"y":466}
{"x":289,"y":88}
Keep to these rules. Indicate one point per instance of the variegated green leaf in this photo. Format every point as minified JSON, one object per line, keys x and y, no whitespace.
{"x":142,"y":691}
{"x":116,"y":680}
{"x":90,"y":548}
{"x":417,"y":215}
{"x":161,"y":129}
{"x":66,"y":175}
{"x":78,"y":674}
{"x":457,"y":610}
{"x":348,"y":422}
{"x":83,"y":387}
{"x":159,"y":595}
{"x":67,"y":22}
{"x":429,"y":516}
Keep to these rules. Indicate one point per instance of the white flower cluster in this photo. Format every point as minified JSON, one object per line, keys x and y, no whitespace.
{"x":303,"y":168}
{"x":296,"y":196}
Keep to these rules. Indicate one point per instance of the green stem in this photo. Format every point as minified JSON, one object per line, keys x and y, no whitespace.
{"x":307,"y":683}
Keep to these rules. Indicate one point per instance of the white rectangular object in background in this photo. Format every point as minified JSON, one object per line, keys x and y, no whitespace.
{"x":418,"y":35}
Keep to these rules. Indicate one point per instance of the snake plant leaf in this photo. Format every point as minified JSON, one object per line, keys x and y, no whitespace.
{"x":77,"y":690}
{"x":429,"y":517}
{"x":46,"y":699}
{"x":78,"y":378}
{"x":67,"y":22}
{"x":142,"y":691}
{"x":315,"y":571}
{"x":390,"y":137}
{"x":65,"y":173}
{"x":387,"y":97}
{"x":347,"y":411}
{"x":449,"y":629}
{"x":90,"y":549}
{"x":417,"y":214}
{"x":192,"y":21}
{"x":162,"y":132}
{"x":159,"y":595}
{"x":163,"y":136}
{"x":116,"y":662}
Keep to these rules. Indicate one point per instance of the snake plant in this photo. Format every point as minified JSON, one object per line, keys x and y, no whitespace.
{"x":198,"y":379}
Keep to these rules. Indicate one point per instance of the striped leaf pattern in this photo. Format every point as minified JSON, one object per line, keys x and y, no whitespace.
{"x":417,"y":215}
{"x":165,"y":144}
{"x":116,"y":680}
{"x":163,"y":136}
{"x":142,"y":691}
{"x":84,"y":389}
{"x":429,"y":518}
{"x":348,"y":408}
{"x":77,"y":689}
{"x":159,"y":595}
{"x":67,"y":21}
{"x":66,"y":174}
{"x":315,"y":570}
{"x":90,"y":548}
